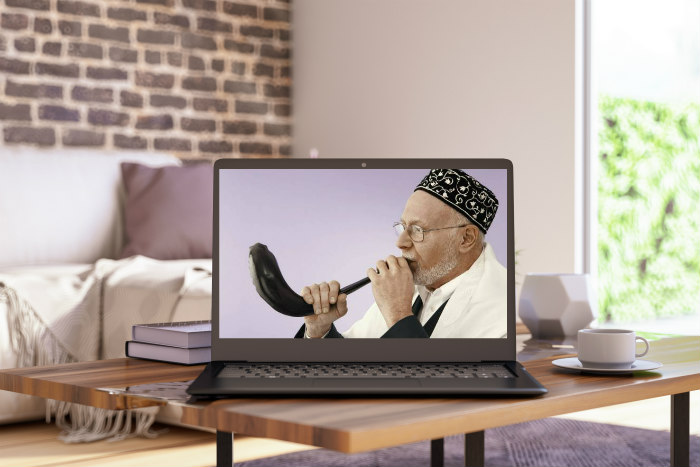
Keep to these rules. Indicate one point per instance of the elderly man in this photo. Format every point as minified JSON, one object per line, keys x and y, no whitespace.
{"x":447,"y":281}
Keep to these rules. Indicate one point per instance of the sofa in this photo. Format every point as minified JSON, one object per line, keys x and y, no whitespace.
{"x":68,"y":291}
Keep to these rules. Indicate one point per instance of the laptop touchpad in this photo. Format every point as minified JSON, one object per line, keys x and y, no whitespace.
{"x":349,"y":383}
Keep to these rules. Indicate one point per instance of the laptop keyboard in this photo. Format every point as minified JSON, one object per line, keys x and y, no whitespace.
{"x":366,"y":370}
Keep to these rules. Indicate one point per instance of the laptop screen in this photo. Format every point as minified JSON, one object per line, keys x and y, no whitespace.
{"x":434,"y":242}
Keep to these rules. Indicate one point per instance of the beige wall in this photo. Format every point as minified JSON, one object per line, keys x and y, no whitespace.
{"x":449,"y":78}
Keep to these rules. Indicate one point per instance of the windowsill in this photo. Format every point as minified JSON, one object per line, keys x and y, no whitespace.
{"x":686,"y":325}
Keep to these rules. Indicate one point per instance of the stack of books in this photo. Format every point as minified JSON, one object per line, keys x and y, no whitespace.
{"x":186,"y":342}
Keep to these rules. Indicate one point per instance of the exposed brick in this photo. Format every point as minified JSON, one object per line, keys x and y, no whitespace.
{"x":51,"y":48}
{"x":257,"y":31}
{"x":197,"y":124}
{"x":130,"y":142}
{"x":196,"y":41}
{"x":14,"y":21}
{"x":172,"y":20}
{"x":70,"y":28}
{"x":212,"y":24}
{"x":78,"y":49}
{"x":126,"y":14}
{"x":83,"y":138}
{"x":150,"y":36}
{"x":9,"y":65}
{"x":239,"y":87}
{"x":275,"y":129}
{"x":43,"y":26}
{"x":241,"y":9}
{"x":238,"y":68}
{"x":25,"y":44}
{"x":199,"y":84}
{"x":208,"y":5}
{"x":285,"y":150}
{"x":206,"y":104}
{"x":284,"y":35}
{"x":154,"y":80}
{"x":42,"y":5}
{"x":240,"y":127}
{"x":131,"y":99}
{"x":154,"y":122}
{"x":58,"y":113}
{"x":29,"y":135}
{"x":217,"y":65}
{"x":242,"y":47}
{"x":14,"y":112}
{"x":107,"y":117}
{"x":78,"y":8}
{"x":118,"y":54}
{"x":84,"y":94}
{"x":256,"y":148}
{"x":159,"y":100}
{"x":66,"y":71}
{"x":217,"y":147}
{"x":168,"y":3}
{"x":260,"y":69}
{"x":152,"y":57}
{"x":172,"y":144}
{"x":266,"y":50}
{"x":99,"y":31}
{"x":276,"y":14}
{"x":174,"y":59}
{"x":195,"y":63}
{"x":94,"y":72}
{"x":277,"y":91}
{"x":248,"y":107}
{"x":33,"y":90}
{"x":283,"y":110}
{"x":286,"y":72}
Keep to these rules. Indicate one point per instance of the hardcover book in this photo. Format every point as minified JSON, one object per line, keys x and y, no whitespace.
{"x":164,"y":353}
{"x":185,"y":334}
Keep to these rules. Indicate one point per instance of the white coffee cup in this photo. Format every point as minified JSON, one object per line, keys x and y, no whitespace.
{"x":608,"y":348}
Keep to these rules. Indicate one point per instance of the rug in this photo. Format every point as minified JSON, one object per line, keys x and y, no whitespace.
{"x":552,"y":442}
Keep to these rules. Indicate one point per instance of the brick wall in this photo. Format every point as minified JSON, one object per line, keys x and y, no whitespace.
{"x":197,"y":78}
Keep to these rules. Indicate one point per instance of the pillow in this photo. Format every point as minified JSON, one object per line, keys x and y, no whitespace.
{"x":168,"y":213}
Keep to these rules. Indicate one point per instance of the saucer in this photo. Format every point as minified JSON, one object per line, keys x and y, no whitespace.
{"x":574,"y":364}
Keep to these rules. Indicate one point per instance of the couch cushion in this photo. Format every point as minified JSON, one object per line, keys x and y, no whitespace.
{"x":168,"y":211}
{"x":63,"y":206}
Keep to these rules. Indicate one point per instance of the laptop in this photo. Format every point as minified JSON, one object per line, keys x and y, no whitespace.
{"x":347,"y":277}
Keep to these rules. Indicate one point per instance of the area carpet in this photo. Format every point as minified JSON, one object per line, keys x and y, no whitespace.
{"x":549,"y":442}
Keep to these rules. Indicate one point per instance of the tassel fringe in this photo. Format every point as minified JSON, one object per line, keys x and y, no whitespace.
{"x":35,"y":345}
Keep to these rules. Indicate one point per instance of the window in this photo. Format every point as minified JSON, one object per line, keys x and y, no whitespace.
{"x":645,"y":145}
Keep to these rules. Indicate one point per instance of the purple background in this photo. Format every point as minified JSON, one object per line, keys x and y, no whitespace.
{"x":321,"y":225}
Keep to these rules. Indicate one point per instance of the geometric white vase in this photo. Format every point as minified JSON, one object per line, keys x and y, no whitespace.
{"x":557,"y":305}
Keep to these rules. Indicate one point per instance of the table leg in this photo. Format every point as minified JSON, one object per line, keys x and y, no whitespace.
{"x":437,"y":452}
{"x":474,"y":449}
{"x":224,"y":449}
{"x":680,"y":430}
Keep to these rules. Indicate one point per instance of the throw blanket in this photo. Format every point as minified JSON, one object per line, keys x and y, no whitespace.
{"x":58,"y":318}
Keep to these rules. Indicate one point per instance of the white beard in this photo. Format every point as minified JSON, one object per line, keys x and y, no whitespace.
{"x":441,"y":269}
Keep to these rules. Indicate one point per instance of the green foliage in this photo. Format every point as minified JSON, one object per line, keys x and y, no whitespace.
{"x":648,"y":210}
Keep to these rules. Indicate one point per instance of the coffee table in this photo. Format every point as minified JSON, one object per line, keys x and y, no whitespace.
{"x":365,"y":424}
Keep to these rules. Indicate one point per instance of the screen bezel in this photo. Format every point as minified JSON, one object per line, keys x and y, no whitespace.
{"x":364,"y":350}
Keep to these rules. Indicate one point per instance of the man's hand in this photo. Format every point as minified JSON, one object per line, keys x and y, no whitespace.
{"x":328,"y":304}
{"x":392,"y":286}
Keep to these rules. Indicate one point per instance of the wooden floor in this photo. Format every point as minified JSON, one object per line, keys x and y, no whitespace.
{"x":35,"y":444}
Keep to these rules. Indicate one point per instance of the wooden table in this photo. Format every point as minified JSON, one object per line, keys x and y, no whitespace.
{"x":357,"y":425}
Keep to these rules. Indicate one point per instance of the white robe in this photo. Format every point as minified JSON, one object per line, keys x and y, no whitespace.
{"x":478,"y":307}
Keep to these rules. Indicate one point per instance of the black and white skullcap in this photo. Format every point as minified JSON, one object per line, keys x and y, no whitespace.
{"x":464,"y":193}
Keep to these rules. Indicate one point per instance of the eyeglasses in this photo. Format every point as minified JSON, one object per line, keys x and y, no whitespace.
{"x":416,"y":232}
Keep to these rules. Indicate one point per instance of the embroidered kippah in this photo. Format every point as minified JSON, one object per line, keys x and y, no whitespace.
{"x":464,"y":193}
